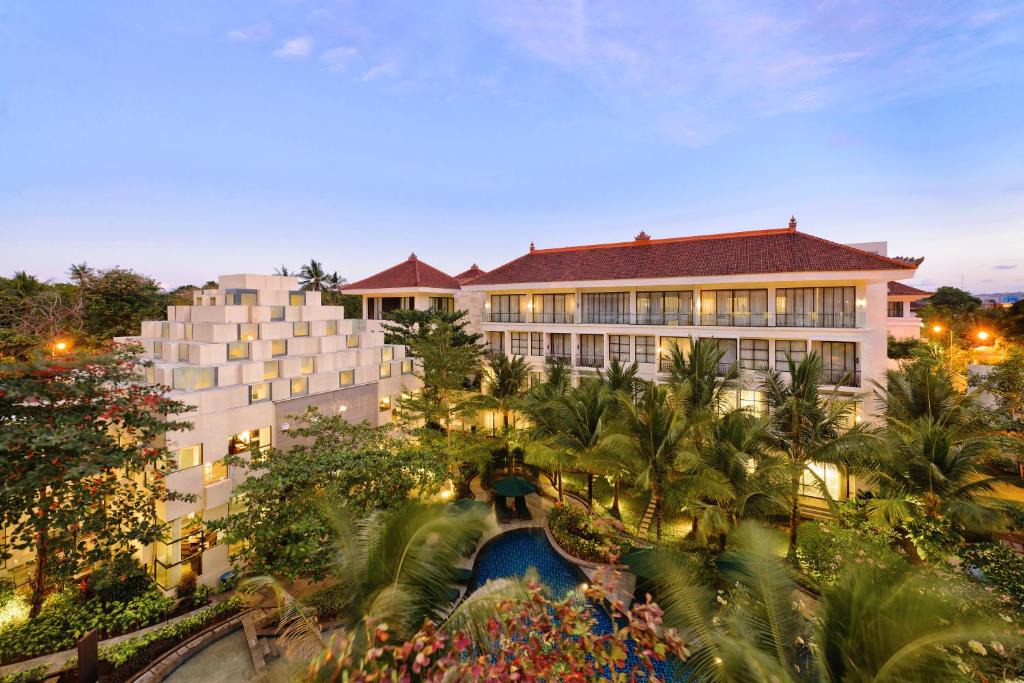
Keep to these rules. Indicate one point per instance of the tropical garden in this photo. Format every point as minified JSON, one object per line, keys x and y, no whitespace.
{"x":351,"y":537}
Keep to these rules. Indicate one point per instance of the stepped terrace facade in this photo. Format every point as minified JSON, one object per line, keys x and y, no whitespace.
{"x":763,"y":296}
{"x":246,"y":356}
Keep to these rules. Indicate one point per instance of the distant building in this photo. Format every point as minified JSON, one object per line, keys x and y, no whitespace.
{"x":901,"y":320}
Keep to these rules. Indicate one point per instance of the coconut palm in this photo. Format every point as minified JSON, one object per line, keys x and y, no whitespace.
{"x":809,"y":427}
{"x":933,"y":468}
{"x":80,"y":272}
{"x":698,"y":382}
{"x":620,"y":377}
{"x":313,"y":277}
{"x":924,"y":387}
{"x":543,"y":427}
{"x":883,"y":625}
{"x":652,"y":435}
{"x":505,"y":380}
{"x":283,"y":270}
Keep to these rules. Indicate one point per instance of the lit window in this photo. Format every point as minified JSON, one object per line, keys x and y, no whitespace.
{"x":352,"y":341}
{"x":407,"y":366}
{"x":332,"y":328}
{"x":296,"y":298}
{"x":165,"y":330}
{"x":520,"y":343}
{"x":754,"y":401}
{"x":193,"y":379}
{"x":259,"y":392}
{"x":251,"y":440}
{"x":279,"y":347}
{"x":347,"y":378}
{"x":385,"y":370}
{"x":644,"y":349}
{"x":182,"y":353}
{"x":387,"y":353}
{"x":188,"y":331}
{"x":276,"y":313}
{"x":271,"y":369}
{"x":306,"y":365}
{"x":300,"y":386}
{"x":240,"y":297}
{"x":248,"y":331}
{"x":190,"y":456}
{"x":300,"y":329}
{"x":214,"y":472}
{"x":238,"y":350}
{"x":158,"y":350}
{"x":385,"y":403}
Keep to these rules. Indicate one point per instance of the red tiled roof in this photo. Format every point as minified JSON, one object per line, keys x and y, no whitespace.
{"x":409,"y":274}
{"x":781,"y":250}
{"x":900,"y":289}
{"x":472,"y":273}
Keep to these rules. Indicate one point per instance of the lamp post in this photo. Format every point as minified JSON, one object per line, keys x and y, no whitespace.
{"x":60,"y":346}
{"x":937,"y":329}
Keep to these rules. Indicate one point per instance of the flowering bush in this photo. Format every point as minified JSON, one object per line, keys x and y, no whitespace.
{"x":586,"y":537}
{"x":532,"y":639}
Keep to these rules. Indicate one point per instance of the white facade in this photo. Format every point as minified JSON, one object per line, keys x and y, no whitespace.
{"x":246,"y":356}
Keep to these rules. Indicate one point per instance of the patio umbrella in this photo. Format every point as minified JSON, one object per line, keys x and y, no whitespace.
{"x":513,"y":486}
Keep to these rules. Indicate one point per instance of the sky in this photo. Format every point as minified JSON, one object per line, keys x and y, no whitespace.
{"x":185,"y":139}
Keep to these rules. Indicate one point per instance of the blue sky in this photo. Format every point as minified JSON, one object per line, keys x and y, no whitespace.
{"x":187,"y":139}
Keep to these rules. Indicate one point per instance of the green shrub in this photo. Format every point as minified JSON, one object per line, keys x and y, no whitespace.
{"x":201,"y":596}
{"x":186,"y":586}
{"x":584,"y":537}
{"x":33,"y":675}
{"x":66,"y":617}
{"x":118,"y":581}
{"x":329,"y":602}
{"x":823,"y":550}
{"x":1003,"y":568}
{"x":6,"y":590}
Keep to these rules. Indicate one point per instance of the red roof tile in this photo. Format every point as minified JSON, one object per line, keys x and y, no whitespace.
{"x":782,"y":250}
{"x":472,"y":273}
{"x":409,"y":274}
{"x":900,"y":289}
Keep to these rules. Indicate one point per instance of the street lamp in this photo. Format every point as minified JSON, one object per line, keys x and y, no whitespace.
{"x":61,"y":346}
{"x":937,"y":329}
{"x":982,"y":335}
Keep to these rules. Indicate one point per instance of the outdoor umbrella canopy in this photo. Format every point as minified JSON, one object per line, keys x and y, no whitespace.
{"x":513,"y":486}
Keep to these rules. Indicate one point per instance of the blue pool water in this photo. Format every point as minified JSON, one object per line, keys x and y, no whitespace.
{"x":512,"y":553}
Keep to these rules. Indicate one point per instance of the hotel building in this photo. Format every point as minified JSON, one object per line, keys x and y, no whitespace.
{"x":247,"y":356}
{"x":761,"y":295}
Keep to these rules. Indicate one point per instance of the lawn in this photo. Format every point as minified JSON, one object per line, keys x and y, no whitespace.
{"x":632,"y":504}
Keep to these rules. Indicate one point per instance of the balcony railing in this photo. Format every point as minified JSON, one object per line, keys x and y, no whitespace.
{"x":590,"y":361}
{"x":789,"y":320}
{"x":553,"y":358}
{"x":723,"y":369}
{"x":840,"y":378}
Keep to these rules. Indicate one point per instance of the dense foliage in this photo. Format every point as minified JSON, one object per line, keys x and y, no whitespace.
{"x":583,"y":536}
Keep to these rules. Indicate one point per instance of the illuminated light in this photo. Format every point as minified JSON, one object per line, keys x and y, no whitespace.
{"x":857,"y":419}
{"x":983,"y":335}
{"x":718,"y":660}
{"x":446,"y":494}
{"x":284,"y":427}
{"x":584,"y":586}
{"x":61,"y":345}
{"x":936,"y":328}
{"x":861,"y":303}
{"x":342,"y":409}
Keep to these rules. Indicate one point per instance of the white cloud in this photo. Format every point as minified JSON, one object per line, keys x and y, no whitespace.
{"x":296,"y":48}
{"x":385,"y":70}
{"x":338,"y":58}
{"x":251,"y":34}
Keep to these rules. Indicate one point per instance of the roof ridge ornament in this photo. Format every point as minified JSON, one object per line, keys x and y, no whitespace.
{"x":792,"y":222}
{"x":412,"y":257}
{"x":533,"y":247}
{"x":642,"y":236}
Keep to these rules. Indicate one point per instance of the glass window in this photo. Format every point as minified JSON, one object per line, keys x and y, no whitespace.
{"x":895,"y":309}
{"x":442,"y":304}
{"x":300,"y":329}
{"x":188,"y":331}
{"x":664,"y":308}
{"x":299,"y":386}
{"x":165,"y":330}
{"x":346,"y":378}
{"x":190,"y":456}
{"x":387,"y":353}
{"x":536,"y":343}
{"x":795,"y":348}
{"x":385,"y":370}
{"x":193,"y":379}
{"x":506,"y":308}
{"x":306,"y":365}
{"x":794,"y":307}
{"x":754,"y":401}
{"x":214,"y":472}
{"x":734,"y":307}
{"x":182,"y":353}
{"x":591,"y":350}
{"x":240,"y":297}
{"x":352,"y":341}
{"x":259,"y":392}
{"x":296,"y":298}
{"x":520,"y":343}
{"x":250,"y":440}
{"x":271,"y":369}
{"x":158,"y":350}
{"x":496,"y":341}
{"x":618,"y":346}
{"x":667,"y":344}
{"x":561,"y":346}
{"x":605,"y":307}
{"x":838,"y":307}
{"x":332,"y":328}
{"x":248,"y":331}
{"x":238,"y":350}
{"x":278,"y":347}
{"x":553,"y":308}
{"x":839,"y":362}
{"x":645,"y":349}
{"x":276,"y":313}
{"x":829,"y":475}
{"x":385,"y":403}
{"x":407,"y":366}
{"x":754,"y":354}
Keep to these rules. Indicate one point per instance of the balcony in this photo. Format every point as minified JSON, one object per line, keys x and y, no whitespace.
{"x":724,"y":369}
{"x":590,"y":361}
{"x":553,"y":317}
{"x":736,"y":319}
{"x":668,"y":319}
{"x":815,"y":319}
{"x":490,"y":317}
{"x":840,"y":377}
{"x":553,"y":358}
{"x":784,"y":320}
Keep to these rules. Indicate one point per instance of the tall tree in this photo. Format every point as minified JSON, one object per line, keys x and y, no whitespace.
{"x":406,"y":327}
{"x":117,"y":300}
{"x":506,"y":378}
{"x":313,"y":277}
{"x":809,"y":426}
{"x":283,"y":271}
{"x":80,"y":469}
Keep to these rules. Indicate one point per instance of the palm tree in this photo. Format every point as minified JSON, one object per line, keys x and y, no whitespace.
{"x":933,"y":468}
{"x":80,"y":272}
{"x":809,"y":427}
{"x":505,"y":380}
{"x":620,"y":377}
{"x":543,"y":427}
{"x":653,"y":435}
{"x":313,"y":277}
{"x":283,"y":270}
{"x":883,"y":625}
{"x":699,"y":383}
{"x":579,"y":421}
{"x":25,"y":285}
{"x":924,"y":387}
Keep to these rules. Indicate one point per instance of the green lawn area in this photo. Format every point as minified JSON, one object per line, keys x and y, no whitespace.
{"x":632,"y":504}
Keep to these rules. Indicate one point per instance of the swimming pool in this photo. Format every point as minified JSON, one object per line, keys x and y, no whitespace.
{"x":513,"y":552}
